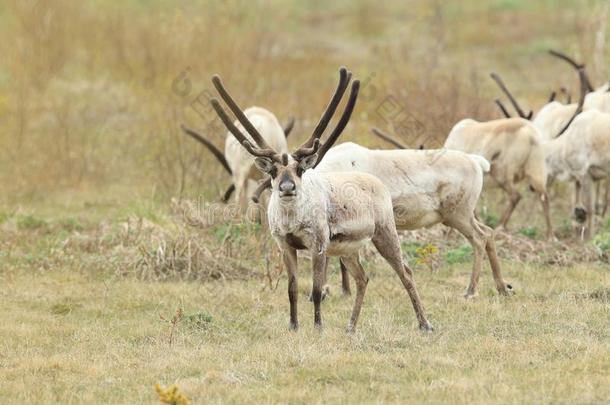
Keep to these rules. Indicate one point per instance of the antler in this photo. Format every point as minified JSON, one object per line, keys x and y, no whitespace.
{"x":239,"y":114}
{"x":500,"y":83}
{"x":259,"y":190}
{"x":501,"y":107}
{"x":388,"y":138}
{"x":575,"y":65}
{"x":345,"y":117}
{"x":344,"y":78}
{"x":552,"y":96}
{"x":288,"y":127}
{"x":581,"y":101}
{"x":228,"y":193}
{"x":264,"y":151}
{"x":217,"y":153}
{"x":321,"y":149}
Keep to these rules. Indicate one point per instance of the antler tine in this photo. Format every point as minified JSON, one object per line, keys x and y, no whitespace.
{"x":575,"y":65}
{"x":259,"y":190}
{"x":344,"y":78}
{"x":239,"y":114}
{"x":288,"y":127}
{"x":501,"y":107}
{"x":347,"y":113}
{"x":258,"y":152}
{"x":303,"y":152}
{"x":581,"y":101}
{"x":217,"y":153}
{"x":386,"y":137}
{"x":516,"y":106}
{"x":552,"y":96}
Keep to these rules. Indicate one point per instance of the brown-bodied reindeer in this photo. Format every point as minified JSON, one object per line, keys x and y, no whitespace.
{"x":327,"y":214}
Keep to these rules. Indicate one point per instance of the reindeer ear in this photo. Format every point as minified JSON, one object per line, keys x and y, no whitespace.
{"x":307,"y":163}
{"x":264,"y":165}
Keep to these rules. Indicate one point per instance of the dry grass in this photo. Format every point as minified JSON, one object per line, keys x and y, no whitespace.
{"x":109,"y":287}
{"x":71,"y":337}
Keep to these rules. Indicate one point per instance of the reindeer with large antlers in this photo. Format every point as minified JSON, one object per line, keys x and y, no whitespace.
{"x":327,"y":214}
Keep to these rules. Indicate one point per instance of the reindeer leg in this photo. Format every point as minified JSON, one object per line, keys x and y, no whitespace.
{"x":588,"y":197}
{"x":318,"y":261}
{"x":355,"y":268}
{"x":478,"y":242}
{"x":289,"y":256}
{"x":579,"y":212}
{"x":490,"y":247}
{"x":544,"y":200}
{"x":345,"y":287}
{"x":387,"y":244}
{"x":514,"y":197}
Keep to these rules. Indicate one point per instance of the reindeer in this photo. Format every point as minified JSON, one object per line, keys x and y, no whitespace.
{"x":582,"y":155}
{"x":554,"y":119}
{"x":513,"y":147}
{"x":428,"y":187}
{"x":222,"y":159}
{"x":327,"y":214}
{"x":598,"y":99}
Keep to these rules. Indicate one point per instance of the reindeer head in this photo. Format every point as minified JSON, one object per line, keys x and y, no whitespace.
{"x":285,"y":171}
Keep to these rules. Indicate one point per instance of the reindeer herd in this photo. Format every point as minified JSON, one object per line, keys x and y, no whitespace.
{"x":330,"y":200}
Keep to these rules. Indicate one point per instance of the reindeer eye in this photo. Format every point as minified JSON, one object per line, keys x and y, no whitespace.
{"x":273,"y":172}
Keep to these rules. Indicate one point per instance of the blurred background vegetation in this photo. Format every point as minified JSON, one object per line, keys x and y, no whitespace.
{"x":92,"y":92}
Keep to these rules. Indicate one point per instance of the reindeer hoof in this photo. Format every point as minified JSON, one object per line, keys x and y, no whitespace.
{"x":294,"y":327}
{"x":507,"y":291}
{"x":346,"y":293}
{"x":471,"y":295}
{"x":426,"y":327}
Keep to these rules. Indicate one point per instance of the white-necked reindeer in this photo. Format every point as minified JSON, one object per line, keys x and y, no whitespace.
{"x":236,"y":160}
{"x":327,"y":214}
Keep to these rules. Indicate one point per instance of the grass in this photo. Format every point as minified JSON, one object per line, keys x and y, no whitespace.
{"x":68,"y":337}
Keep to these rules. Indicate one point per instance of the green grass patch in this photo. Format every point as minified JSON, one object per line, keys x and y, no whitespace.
{"x":463,"y":254}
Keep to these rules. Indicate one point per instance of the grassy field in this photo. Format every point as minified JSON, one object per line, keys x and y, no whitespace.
{"x":68,"y":336}
{"x":102,"y":242}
